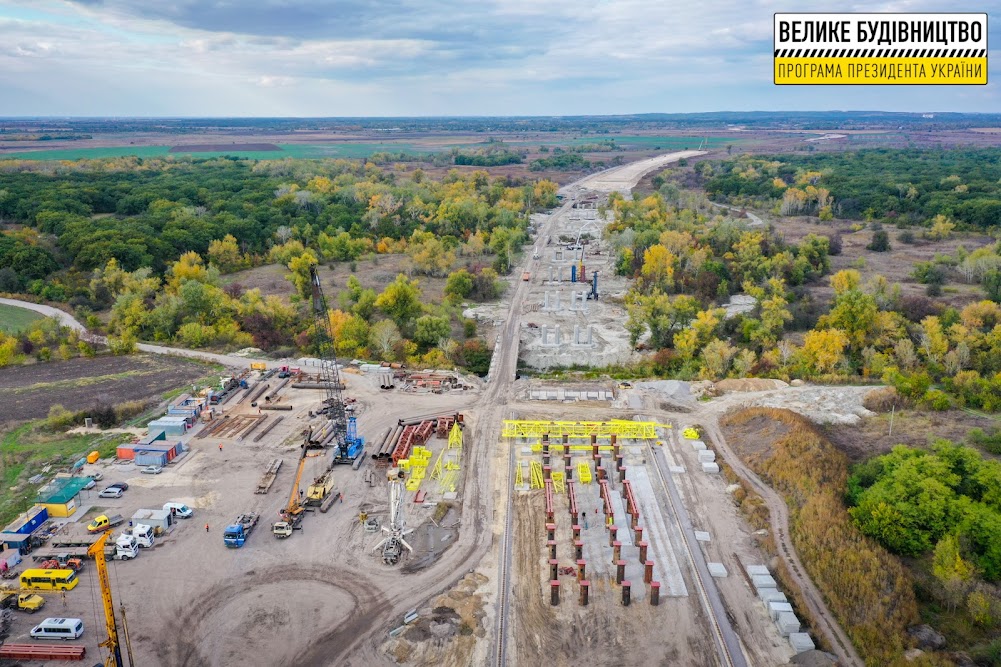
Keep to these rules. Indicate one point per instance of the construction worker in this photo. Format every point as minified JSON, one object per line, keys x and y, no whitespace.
{"x":220,"y":446}
{"x":206,"y":528}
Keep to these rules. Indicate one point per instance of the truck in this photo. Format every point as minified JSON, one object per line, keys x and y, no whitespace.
{"x":142,"y":533}
{"x":237,"y":532}
{"x":126,"y":547}
{"x":28,"y":602}
{"x":104,"y":522}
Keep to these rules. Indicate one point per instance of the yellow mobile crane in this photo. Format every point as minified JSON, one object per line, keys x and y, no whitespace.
{"x":112,"y":643}
{"x":291,"y":514}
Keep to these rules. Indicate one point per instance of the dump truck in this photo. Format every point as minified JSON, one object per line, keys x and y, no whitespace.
{"x":320,"y":489}
{"x":237,"y":532}
{"x":104,"y":522}
{"x":28,"y":602}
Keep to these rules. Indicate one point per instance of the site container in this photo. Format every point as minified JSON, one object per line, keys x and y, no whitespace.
{"x":143,"y":458}
{"x":168,"y":426}
{"x":93,"y":457}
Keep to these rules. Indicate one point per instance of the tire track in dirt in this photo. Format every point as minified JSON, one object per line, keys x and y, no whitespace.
{"x":181,"y":649}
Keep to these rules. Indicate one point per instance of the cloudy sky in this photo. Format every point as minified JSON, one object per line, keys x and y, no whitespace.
{"x":425,"y":57}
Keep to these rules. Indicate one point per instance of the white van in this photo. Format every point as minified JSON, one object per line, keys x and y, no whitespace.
{"x":178,"y":509}
{"x":58,"y":628}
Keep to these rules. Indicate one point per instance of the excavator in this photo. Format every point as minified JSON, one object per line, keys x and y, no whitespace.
{"x":291,"y":514}
{"x":112,"y":643}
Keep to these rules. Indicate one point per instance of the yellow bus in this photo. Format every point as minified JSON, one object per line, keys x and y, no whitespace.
{"x":49,"y":580}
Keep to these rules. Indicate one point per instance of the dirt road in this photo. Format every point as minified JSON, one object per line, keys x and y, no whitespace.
{"x":68,"y":320}
{"x":779,"y":520}
{"x":623,"y":179}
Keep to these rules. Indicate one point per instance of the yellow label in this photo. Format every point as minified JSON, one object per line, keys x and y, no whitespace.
{"x":880,"y":71}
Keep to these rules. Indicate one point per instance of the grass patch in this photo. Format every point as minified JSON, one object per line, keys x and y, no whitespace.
{"x":15,"y":320}
{"x":25,"y":450}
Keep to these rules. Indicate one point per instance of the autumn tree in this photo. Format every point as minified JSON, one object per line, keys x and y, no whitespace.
{"x":225,"y":254}
{"x":401,"y":301}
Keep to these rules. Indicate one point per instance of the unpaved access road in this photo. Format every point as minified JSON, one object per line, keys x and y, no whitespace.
{"x":623,"y":179}
{"x":68,"y":320}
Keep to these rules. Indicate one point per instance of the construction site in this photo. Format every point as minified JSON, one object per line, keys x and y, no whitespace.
{"x":327,"y":512}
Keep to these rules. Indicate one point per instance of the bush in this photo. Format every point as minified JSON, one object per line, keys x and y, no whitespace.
{"x":880,"y":242}
{"x":906,"y":236}
{"x":60,"y":418}
{"x":882,"y":399}
{"x":936,"y":400}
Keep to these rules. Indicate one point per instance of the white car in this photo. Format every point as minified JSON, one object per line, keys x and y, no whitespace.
{"x":111,"y":492}
{"x":152,"y":470}
{"x":90,"y":484}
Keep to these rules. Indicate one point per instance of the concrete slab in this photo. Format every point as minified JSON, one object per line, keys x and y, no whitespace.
{"x":761,"y":581}
{"x":702,"y":536}
{"x":801,"y":641}
{"x":776,"y":608}
{"x":717,"y":570}
{"x":678,"y":469}
{"x":753,"y":570}
{"x":711,"y":468}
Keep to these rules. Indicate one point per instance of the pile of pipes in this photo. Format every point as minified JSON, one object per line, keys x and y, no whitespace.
{"x":396,"y":443}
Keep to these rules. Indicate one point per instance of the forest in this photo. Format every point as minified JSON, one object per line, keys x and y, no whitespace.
{"x":686,"y":262}
{"x":139,"y":247}
{"x":902,"y":187}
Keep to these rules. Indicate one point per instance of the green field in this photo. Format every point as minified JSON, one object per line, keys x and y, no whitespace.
{"x":635,"y":142}
{"x":359,"y":150}
{"x":14,"y":319}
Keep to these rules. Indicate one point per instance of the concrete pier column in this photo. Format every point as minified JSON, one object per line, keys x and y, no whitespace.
{"x":626,"y":593}
{"x":566,"y":444}
{"x":576,"y":532}
{"x":578,"y":549}
{"x":616,"y":551}
{"x":648,"y":572}
{"x":554,"y":592}
{"x":547,"y":472}
{"x":638,"y":534}
{"x":551,"y":545}
{"x":554,"y":569}
{"x":550,"y":531}
{"x":584,"y":586}
{"x":643,"y":546}
{"x":581,"y":569}
{"x":612,"y":532}
{"x":620,"y":571}
{"x":594,"y":444}
{"x":654,"y":593}
{"x":634,"y":519}
{"x":622,"y":473}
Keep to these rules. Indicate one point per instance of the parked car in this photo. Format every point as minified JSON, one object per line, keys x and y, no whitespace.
{"x":119,"y":485}
{"x":152,"y":470}
{"x":111,"y":492}
{"x":90,"y":484}
{"x":97,"y":476}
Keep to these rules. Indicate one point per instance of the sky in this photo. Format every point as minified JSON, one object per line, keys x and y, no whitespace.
{"x":315,"y":58}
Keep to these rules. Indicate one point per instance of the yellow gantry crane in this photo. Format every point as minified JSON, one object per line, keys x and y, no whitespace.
{"x":112,"y":643}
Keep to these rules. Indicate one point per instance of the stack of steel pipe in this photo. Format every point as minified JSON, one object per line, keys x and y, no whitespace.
{"x":281,"y":385}
{"x":260,"y":389}
{"x":388,"y":442}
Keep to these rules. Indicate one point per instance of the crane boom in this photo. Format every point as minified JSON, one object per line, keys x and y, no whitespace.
{"x":345,"y":436}
{"x":330,"y":378}
{"x":96,"y":551}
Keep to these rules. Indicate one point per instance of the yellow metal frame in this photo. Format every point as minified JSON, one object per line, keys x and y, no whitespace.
{"x":537,"y":481}
{"x":514,"y":428}
{"x":559,"y":482}
{"x":584,"y":472}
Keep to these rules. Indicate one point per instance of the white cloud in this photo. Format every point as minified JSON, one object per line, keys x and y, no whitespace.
{"x":400,"y":57}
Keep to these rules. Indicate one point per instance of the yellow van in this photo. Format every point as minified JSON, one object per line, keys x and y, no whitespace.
{"x":49,"y":580}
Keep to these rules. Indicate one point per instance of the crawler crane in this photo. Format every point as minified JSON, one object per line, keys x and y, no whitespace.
{"x":348,"y":445}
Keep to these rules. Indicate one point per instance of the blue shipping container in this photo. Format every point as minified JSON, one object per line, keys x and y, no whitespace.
{"x":145,"y":458}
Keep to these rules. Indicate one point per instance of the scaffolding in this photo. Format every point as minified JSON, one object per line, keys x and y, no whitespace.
{"x":559,"y":482}
{"x":584,"y":472}
{"x":519,"y":477}
{"x":621,"y":428}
